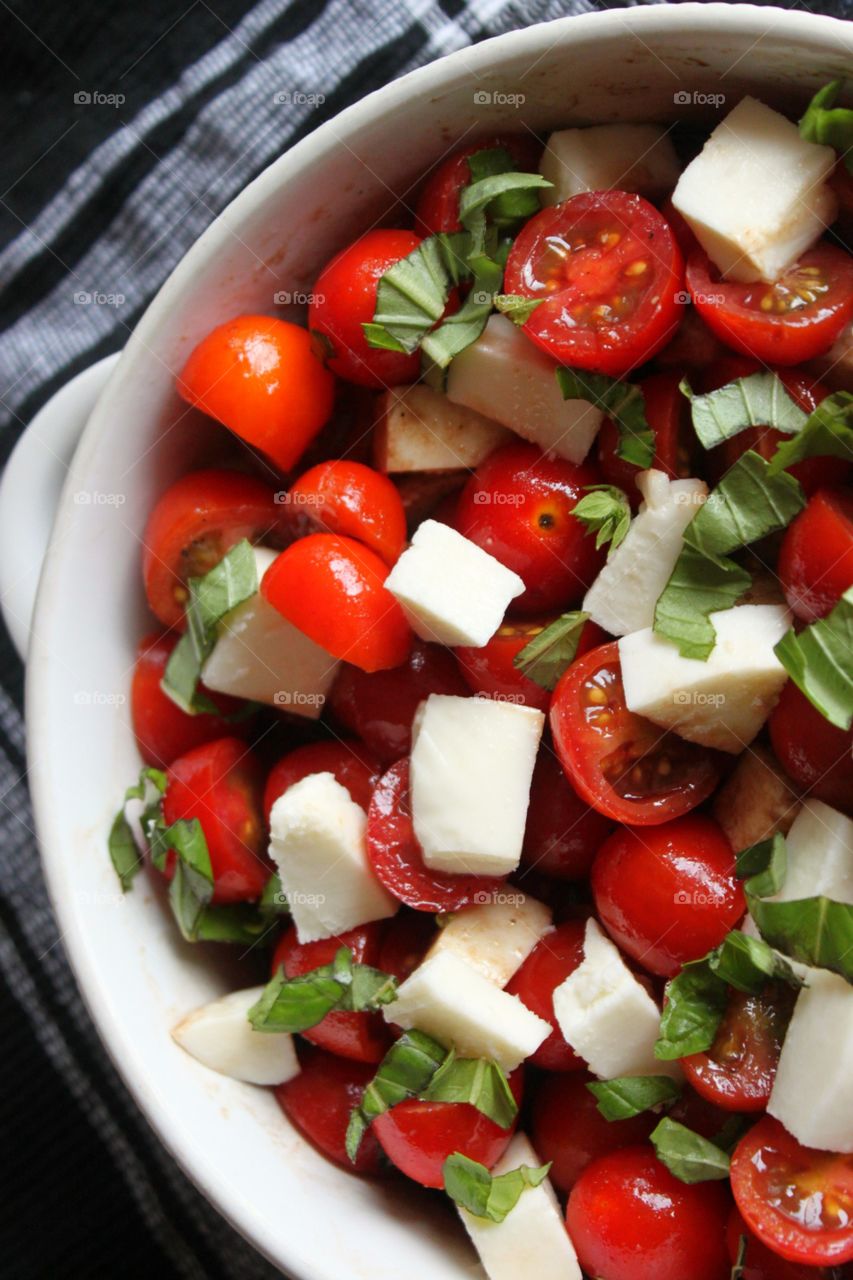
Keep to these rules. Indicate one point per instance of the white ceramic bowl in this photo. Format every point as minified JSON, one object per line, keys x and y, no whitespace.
{"x":137,"y":977}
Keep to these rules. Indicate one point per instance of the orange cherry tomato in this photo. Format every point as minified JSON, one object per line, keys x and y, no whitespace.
{"x":352,"y":499}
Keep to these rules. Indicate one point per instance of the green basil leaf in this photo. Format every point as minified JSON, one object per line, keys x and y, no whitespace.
{"x":827,"y":124}
{"x":297,"y":1004}
{"x":816,"y":931}
{"x":759,"y":400}
{"x":621,"y":401}
{"x":544,"y":658}
{"x":828,"y":433}
{"x":412,"y":295}
{"x":273,"y":900}
{"x":477,"y":1081}
{"x":458,"y":331}
{"x":628,"y":1096}
{"x":698,"y":586}
{"x":518,"y":309}
{"x":732,"y":1131}
{"x":688,"y":1156}
{"x":765,"y":864}
{"x":606,"y":512}
{"x":695,"y":1003}
{"x":484,"y":1194}
{"x":749,"y":964}
{"x":121,"y":844}
{"x":818,"y":661}
{"x":509,"y":197}
{"x":404,"y":1072}
{"x":367,"y":989}
{"x":241,"y":922}
{"x":191,"y":888}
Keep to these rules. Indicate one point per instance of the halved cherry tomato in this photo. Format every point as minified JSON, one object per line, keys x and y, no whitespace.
{"x":788,"y":322}
{"x":737,"y":1072}
{"x":811,"y":750}
{"x":562,"y":834}
{"x":333,"y":589}
{"x":319,"y":1102}
{"x":344,"y":299}
{"x":666,"y":414}
{"x":620,"y":763}
{"x":799,"y":1202}
{"x":380,"y":707}
{"x":816,"y":556}
{"x":549,"y":964}
{"x":607,"y":269}
{"x":220,"y":784}
{"x":418,"y":1136}
{"x":163,"y":731}
{"x":194,"y":523}
{"x":518,"y":506}
{"x":760,"y":1263}
{"x":262,"y":378}
{"x":363,"y":1037}
{"x":353,"y":765}
{"x":352,"y":499}
{"x":631,"y":1219}
{"x":397,"y":859}
{"x":407,"y":939}
{"x":437,"y":208}
{"x":490,"y":670}
{"x":668,"y":894}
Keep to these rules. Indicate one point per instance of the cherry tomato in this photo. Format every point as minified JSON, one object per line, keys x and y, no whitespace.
{"x":333,"y":589}
{"x":407,"y":939}
{"x":319,"y":1102}
{"x":350,"y":498}
{"x":569,"y":1130}
{"x":397,"y":859}
{"x":811,"y":750}
{"x":760,"y":1262}
{"x":418,"y":1136}
{"x":198,"y":519}
{"x":816,"y":557}
{"x":550,"y":962}
{"x":668,"y":894}
{"x":620,"y":763}
{"x":607,"y":268}
{"x":352,"y":764}
{"x":490,"y":670}
{"x":666,"y":414}
{"x":380,"y":707}
{"x":163,"y":731}
{"x":788,"y":322}
{"x":630,"y":1219}
{"x":344,"y":299}
{"x":363,"y":1037}
{"x":563,"y":833}
{"x":262,"y":378}
{"x":799,"y":1202}
{"x":437,"y":208}
{"x":220,"y":784}
{"x":737,"y":1072}
{"x":699,"y":1114}
{"x":518,"y":506}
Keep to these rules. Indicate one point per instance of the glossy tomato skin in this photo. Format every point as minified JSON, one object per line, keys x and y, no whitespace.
{"x":666,"y":414}
{"x":668,"y":894}
{"x":563,"y":833}
{"x":762,"y":1263}
{"x":363,"y":1037}
{"x":621,"y":764}
{"x":380,"y":707}
{"x":193,"y":524}
{"x":631,"y":1219}
{"x":550,"y":962}
{"x":351,"y":499}
{"x":333,"y":589}
{"x":353,"y":766}
{"x":344,"y":299}
{"x":490,"y":670}
{"x":262,"y":378}
{"x":437,"y":207}
{"x":608,"y":270}
{"x":220,"y":784}
{"x":737,"y":1072}
{"x":814,"y":752}
{"x":816,"y":557}
{"x":794,"y":1199}
{"x":319,"y":1102}
{"x":518,"y":506}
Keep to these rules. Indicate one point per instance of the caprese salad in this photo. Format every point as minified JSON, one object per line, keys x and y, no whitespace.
{"x":499,"y":704}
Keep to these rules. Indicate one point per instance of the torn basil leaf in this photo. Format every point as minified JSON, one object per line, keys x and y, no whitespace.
{"x":749,"y":964}
{"x":827,"y":433}
{"x":124,"y":853}
{"x":606,"y":512}
{"x":273,"y":900}
{"x":297,"y":1004}
{"x":191,"y":887}
{"x":758,"y":400}
{"x":816,"y":931}
{"x":688,"y":1156}
{"x":818,"y":660}
{"x":412,"y":295}
{"x":404,"y":1072}
{"x":487,"y":1195}
{"x":623,"y":402}
{"x":544,"y":658}
{"x":698,"y":586}
{"x":695,"y":1003}
{"x":765,"y":865}
{"x":628,"y":1096}
{"x":477,"y":1081}
{"x":518,"y":309}
{"x":462,"y":328}
{"x":829,"y":125}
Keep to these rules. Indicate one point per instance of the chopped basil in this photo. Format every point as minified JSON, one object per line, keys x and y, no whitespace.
{"x":628,"y":1096}
{"x":695,"y":1003}
{"x":688,"y":1156}
{"x":755,"y":401}
{"x":765,"y":865}
{"x":296,"y":1004}
{"x":462,"y":328}
{"x":621,"y":401}
{"x":818,"y":660}
{"x":827,"y":124}
{"x":404,"y":1072}
{"x":123,"y":850}
{"x":412,"y":295}
{"x":816,"y":931}
{"x":606,"y":512}
{"x":514,"y":195}
{"x":273,"y":900}
{"x":749,"y":964}
{"x":828,"y":432}
{"x":477,"y":1081}
{"x":487,"y":1195}
{"x":544,"y":658}
{"x":518,"y":309}
{"x":240,"y":922}
{"x":698,"y":586}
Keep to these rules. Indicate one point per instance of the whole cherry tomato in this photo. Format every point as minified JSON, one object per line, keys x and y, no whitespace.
{"x":353,"y":765}
{"x":737,"y":1072}
{"x":437,"y":208}
{"x":491,"y":669}
{"x":814,"y":752}
{"x":562,"y":834}
{"x":320,"y":1100}
{"x":352,"y":499}
{"x":816,"y":557}
{"x":549,"y":964}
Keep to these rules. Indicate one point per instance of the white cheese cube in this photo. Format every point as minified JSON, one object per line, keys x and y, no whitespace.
{"x":607,"y":157}
{"x":471,"y":769}
{"x":220,"y":1036}
{"x":261,"y":656}
{"x":820,"y":855}
{"x":421,"y":430}
{"x":449,"y":1000}
{"x":623,"y":596}
{"x":504,"y":376}
{"x":495,"y":938}
{"x":450,"y":590}
{"x":317,"y":843}
{"x":720,"y":703}
{"x":755,"y":197}
{"x":607,"y":1015}
{"x":532,"y":1240}
{"x":812,"y":1094}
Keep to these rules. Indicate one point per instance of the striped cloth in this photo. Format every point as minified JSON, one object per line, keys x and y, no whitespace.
{"x":139,"y":127}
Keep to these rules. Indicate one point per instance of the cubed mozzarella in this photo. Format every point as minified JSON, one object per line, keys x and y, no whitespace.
{"x":756,"y":801}
{"x":623,"y":596}
{"x":447,"y":999}
{"x":820,"y":855}
{"x":471,"y":768}
{"x":812,"y":1093}
{"x":532,"y":1240}
{"x":421,"y":430}
{"x":451,"y":590}
{"x":220,"y":1036}
{"x":720,"y":703}
{"x":505,"y":377}
{"x":261,"y":656}
{"x":317,"y":843}
{"x":607,"y":1015}
{"x":495,"y":937}
{"x":756,"y":196}
{"x":604,"y":157}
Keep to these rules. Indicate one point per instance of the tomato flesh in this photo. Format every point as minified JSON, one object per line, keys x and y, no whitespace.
{"x":550,"y":962}
{"x":737,"y":1072}
{"x":814,"y":752}
{"x":352,"y":499}
{"x":816,"y":557}
{"x":319,"y":1102}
